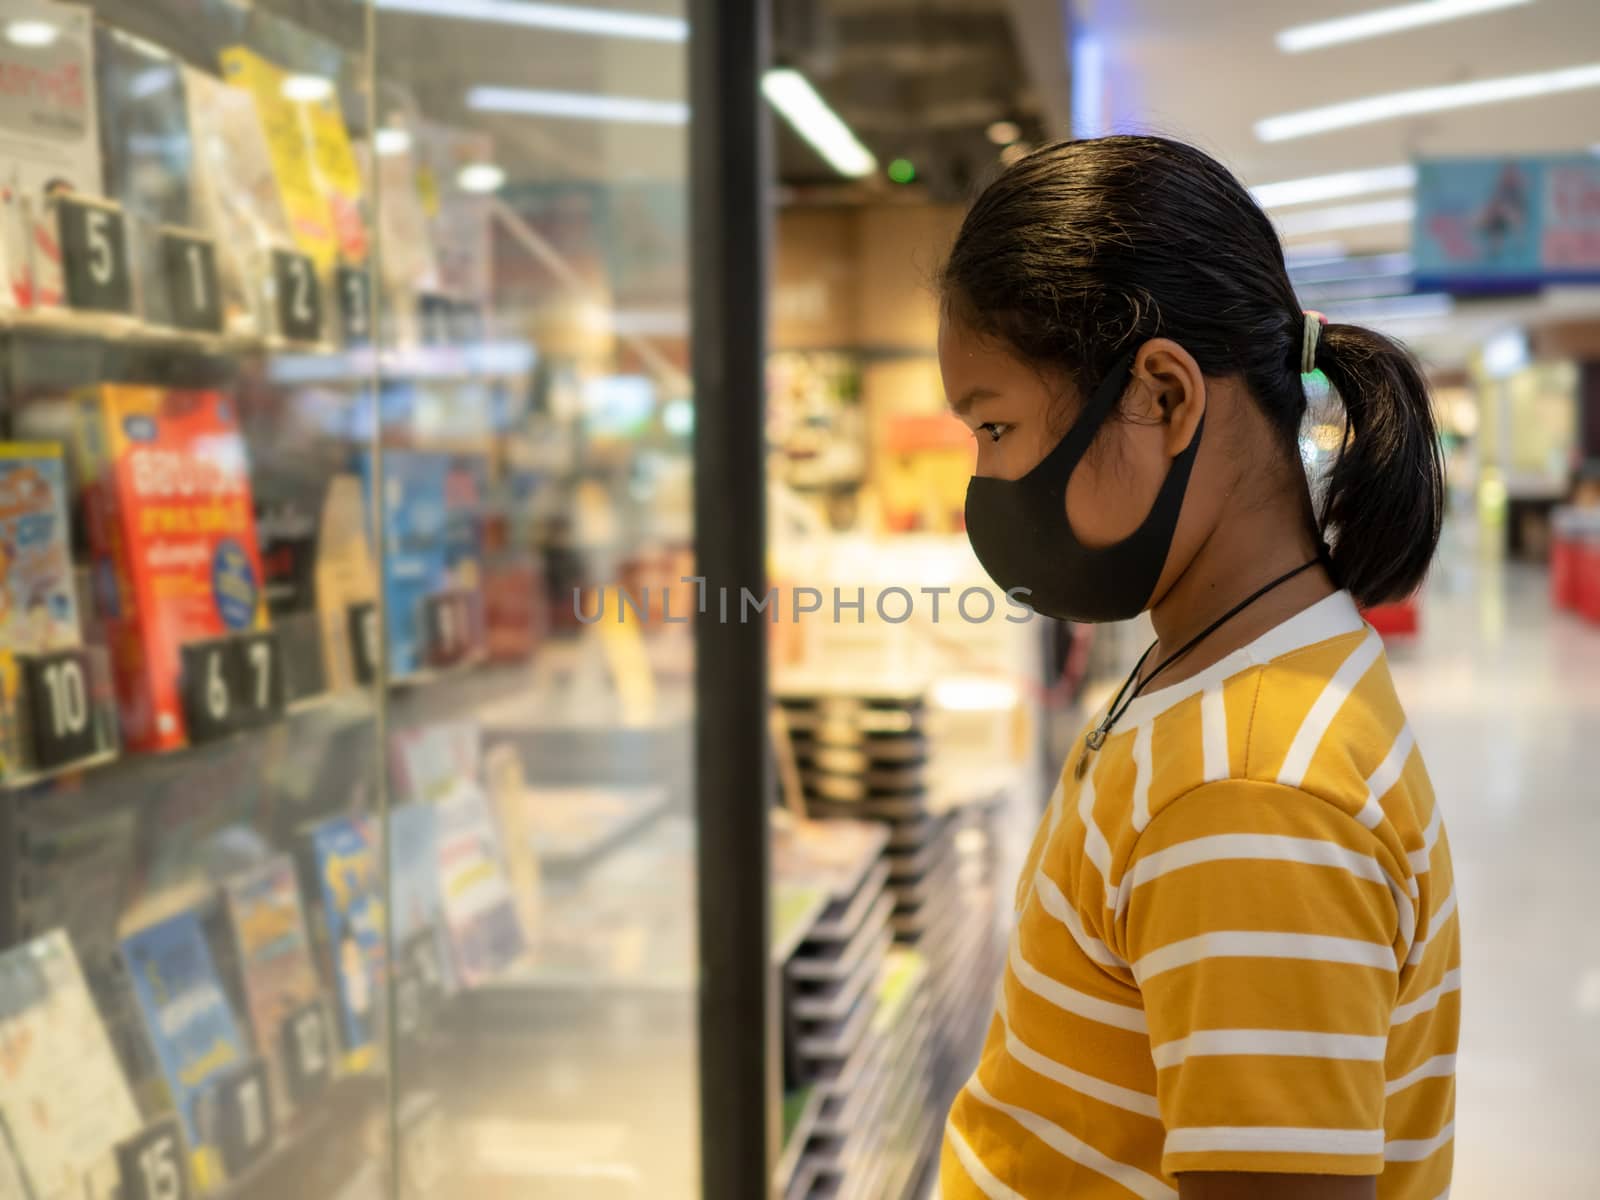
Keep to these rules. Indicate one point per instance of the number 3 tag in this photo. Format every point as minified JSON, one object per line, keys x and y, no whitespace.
{"x":151,"y":1165}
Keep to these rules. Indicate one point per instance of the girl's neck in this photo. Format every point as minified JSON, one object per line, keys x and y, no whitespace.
{"x":1247,"y":550}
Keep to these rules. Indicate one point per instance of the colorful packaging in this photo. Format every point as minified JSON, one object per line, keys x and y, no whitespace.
{"x":64,"y":1103}
{"x":304,"y":201}
{"x":38,"y":602}
{"x":166,"y":486}
{"x":345,"y":855}
{"x":235,"y":195}
{"x":479,"y":910}
{"x":275,"y":963}
{"x":418,"y":911}
{"x":192,"y":1027}
{"x":333,"y":164}
{"x":49,"y":144}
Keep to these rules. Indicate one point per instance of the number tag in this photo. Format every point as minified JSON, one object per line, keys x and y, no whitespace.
{"x":436,"y":316}
{"x":244,"y":1117}
{"x":355,"y":305}
{"x":449,"y":628}
{"x":94,"y":254}
{"x":307,"y":1052}
{"x":151,"y":1166}
{"x":194,"y":287}
{"x":60,"y":708}
{"x":366,"y":646}
{"x":231,"y":683}
{"x":299,"y":296}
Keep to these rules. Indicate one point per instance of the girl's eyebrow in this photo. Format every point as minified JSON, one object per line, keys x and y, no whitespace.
{"x":964,"y":405}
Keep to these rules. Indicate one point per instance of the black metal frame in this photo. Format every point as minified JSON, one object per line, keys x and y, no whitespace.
{"x":730,"y":158}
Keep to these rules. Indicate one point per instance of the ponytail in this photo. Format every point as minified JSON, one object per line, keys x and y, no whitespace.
{"x":1385,"y":492}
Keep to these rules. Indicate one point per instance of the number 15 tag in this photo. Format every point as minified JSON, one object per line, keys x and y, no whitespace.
{"x":152,"y":1165}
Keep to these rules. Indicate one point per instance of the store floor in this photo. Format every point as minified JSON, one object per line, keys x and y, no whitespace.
{"x":1504,"y":697}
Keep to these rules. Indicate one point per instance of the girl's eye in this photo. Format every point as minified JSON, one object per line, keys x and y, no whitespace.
{"x":995,"y":430}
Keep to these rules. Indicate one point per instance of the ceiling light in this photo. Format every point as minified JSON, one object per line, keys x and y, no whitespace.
{"x":1384,"y":20}
{"x":1346,"y":216}
{"x":566,"y":18}
{"x":808,"y":114}
{"x":481,"y":177}
{"x":391,"y":140}
{"x":1341,"y":270}
{"x":1003,"y":133}
{"x":1306,"y":254}
{"x":307,"y":89}
{"x":580,"y":106}
{"x":1336,"y":186}
{"x":1426,"y":100}
{"x":32,"y":33}
{"x":1422,"y":306}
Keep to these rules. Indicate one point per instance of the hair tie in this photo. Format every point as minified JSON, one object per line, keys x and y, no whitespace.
{"x":1308,"y":340}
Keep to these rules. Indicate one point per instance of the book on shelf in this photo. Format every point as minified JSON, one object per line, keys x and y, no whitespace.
{"x":485,"y":931}
{"x":64,"y":1102}
{"x":38,"y":598}
{"x":49,"y":144}
{"x":344,"y":857}
{"x":192,"y":1027}
{"x":166,"y":487}
{"x":276,"y":968}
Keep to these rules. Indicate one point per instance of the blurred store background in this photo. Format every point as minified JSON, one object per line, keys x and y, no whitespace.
{"x":398,"y":795}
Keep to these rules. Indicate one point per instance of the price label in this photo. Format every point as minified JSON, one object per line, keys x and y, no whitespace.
{"x":194,"y":286}
{"x":355,"y":305}
{"x":449,"y":628}
{"x":151,"y":1165}
{"x":60,"y":708}
{"x":231,"y":683}
{"x":299,"y":296}
{"x":366,"y":644}
{"x":244,"y":1117}
{"x":307,"y":1048}
{"x":436,"y":316}
{"x":94,"y":254}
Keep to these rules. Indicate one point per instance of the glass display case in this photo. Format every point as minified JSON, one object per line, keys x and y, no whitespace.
{"x":346,"y":545}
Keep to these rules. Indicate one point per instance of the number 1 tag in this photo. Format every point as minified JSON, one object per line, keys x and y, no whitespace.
{"x":307,"y":1052}
{"x":194,"y":288}
{"x":366,"y":647}
{"x":244,"y":1117}
{"x":355,"y":305}
{"x":299,"y":296}
{"x":152,"y":1165}
{"x":60,"y":708}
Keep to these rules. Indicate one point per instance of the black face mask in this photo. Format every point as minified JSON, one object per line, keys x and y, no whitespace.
{"x":1020,"y":532}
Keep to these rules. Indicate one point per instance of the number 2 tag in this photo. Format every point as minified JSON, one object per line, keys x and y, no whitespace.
{"x":299,"y":296}
{"x":151,"y":1165}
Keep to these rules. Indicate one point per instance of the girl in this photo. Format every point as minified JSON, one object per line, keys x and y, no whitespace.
{"x":1234,"y":969}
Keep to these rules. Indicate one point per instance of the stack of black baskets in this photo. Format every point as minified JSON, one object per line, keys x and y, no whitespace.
{"x":888,"y":1053}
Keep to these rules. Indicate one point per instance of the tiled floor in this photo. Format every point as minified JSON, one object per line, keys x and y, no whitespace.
{"x":1504,"y":697}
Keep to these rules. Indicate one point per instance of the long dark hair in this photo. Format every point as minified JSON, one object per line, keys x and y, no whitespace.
{"x":1083,"y":250}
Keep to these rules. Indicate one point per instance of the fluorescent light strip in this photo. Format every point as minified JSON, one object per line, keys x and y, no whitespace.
{"x":579,"y":106}
{"x":1384,"y":20}
{"x":808,"y":114}
{"x":1422,"y":306}
{"x":1335,"y":187}
{"x":1367,"y":266}
{"x":564,"y":17}
{"x":1346,"y":216}
{"x":1426,"y":100}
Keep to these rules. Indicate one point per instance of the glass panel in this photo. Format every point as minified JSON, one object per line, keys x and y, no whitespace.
{"x":535,"y":423}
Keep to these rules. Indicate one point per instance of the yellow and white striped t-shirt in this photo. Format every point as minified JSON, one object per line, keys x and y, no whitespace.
{"x":1236,"y":945}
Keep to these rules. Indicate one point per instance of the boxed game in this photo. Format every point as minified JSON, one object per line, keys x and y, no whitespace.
{"x":166,"y":489}
{"x":49,"y":143}
{"x":38,"y":605}
{"x":192,"y":1028}
{"x":479,"y":910}
{"x":344,"y":855}
{"x":64,"y":1103}
{"x":275,"y":963}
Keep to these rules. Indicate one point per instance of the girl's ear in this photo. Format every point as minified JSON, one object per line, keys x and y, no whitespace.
{"x":1174,"y":389}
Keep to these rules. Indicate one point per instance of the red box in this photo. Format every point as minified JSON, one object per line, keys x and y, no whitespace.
{"x":172,"y":528}
{"x":1400,"y":618}
{"x":1588,"y":578}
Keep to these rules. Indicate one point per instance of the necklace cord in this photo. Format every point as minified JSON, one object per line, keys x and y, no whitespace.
{"x":1120,"y":705}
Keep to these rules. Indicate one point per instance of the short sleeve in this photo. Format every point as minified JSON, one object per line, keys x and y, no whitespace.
{"x":1266,"y":937}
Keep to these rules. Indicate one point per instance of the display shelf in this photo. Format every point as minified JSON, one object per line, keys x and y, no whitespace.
{"x":787,"y":1173}
{"x":564,"y":860}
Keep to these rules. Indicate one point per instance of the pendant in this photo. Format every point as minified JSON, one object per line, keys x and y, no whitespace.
{"x":1096,"y":738}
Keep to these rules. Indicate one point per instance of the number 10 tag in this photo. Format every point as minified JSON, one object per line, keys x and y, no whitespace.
{"x":60,"y":708}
